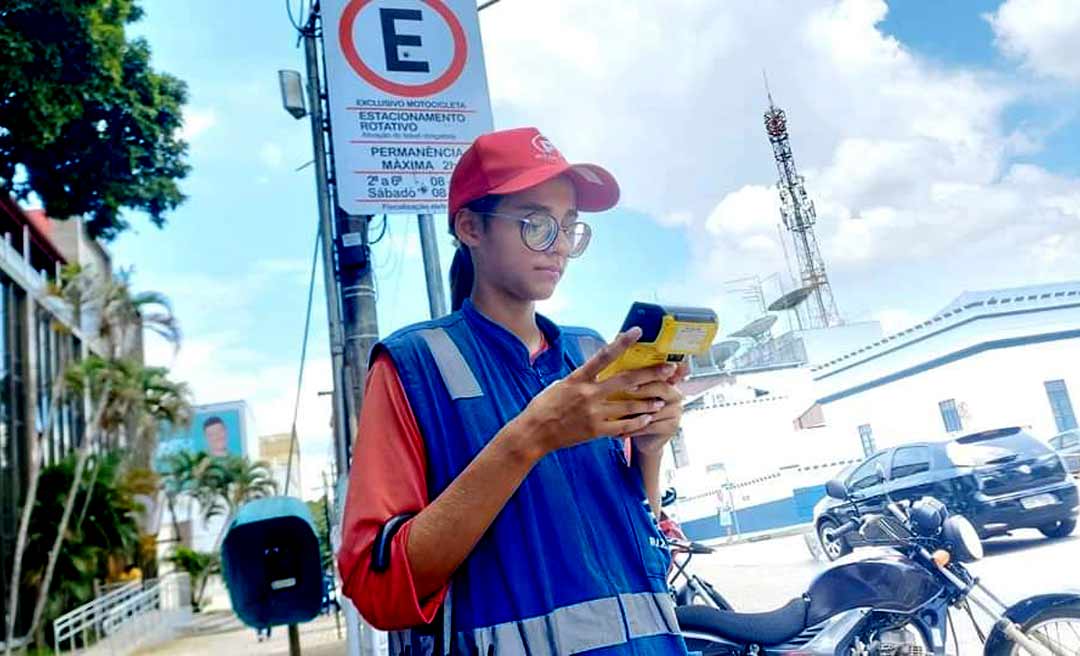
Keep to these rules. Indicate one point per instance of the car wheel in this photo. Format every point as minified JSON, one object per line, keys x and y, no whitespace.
{"x":833,"y":546}
{"x":1060,"y":529}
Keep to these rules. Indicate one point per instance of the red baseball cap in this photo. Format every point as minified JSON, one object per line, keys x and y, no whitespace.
{"x":509,"y":161}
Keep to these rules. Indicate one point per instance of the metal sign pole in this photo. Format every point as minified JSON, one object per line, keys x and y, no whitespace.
{"x":429,"y":248}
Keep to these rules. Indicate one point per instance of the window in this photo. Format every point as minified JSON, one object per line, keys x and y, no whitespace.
{"x":950,"y":416}
{"x":866,"y":475}
{"x":1060,"y":405}
{"x":866,"y":436}
{"x":910,"y":460}
{"x":1068,"y":440}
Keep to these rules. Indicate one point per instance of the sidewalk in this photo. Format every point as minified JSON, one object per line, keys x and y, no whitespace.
{"x":220,"y":633}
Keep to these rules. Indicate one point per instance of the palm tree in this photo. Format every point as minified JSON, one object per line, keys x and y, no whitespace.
{"x":126,"y":396}
{"x":183,"y":475}
{"x":228,"y":483}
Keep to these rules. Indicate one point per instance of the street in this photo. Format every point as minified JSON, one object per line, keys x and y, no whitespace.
{"x":760,"y":576}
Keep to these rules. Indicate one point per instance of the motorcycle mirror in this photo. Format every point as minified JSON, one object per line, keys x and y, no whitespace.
{"x":836,"y":489}
{"x":669,"y":497}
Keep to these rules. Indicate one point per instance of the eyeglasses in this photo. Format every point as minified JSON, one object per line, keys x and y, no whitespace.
{"x":540,"y":231}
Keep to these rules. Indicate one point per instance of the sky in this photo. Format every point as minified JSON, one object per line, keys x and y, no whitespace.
{"x":938,"y":141}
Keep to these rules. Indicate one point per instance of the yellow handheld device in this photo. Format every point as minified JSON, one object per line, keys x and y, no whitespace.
{"x":668,"y":334}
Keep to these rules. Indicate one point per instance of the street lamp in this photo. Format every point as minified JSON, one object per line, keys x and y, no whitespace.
{"x":292,"y":93}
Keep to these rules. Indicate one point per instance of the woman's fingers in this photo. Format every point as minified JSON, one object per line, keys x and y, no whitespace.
{"x":618,"y":409}
{"x":605,"y":356}
{"x":628,"y":380}
{"x":627,"y":426}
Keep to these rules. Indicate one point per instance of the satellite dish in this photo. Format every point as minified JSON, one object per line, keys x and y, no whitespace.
{"x":724,"y":350}
{"x":792,"y":299}
{"x":756,"y":328}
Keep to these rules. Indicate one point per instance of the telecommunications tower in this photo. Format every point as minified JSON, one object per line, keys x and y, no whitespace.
{"x":797,"y":211}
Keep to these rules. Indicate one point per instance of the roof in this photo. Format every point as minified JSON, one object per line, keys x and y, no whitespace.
{"x":962,"y":309}
{"x":39,"y":229}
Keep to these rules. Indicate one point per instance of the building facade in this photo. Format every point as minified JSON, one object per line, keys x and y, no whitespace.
{"x":761,"y":441}
{"x":274,"y":450}
{"x":38,"y":337}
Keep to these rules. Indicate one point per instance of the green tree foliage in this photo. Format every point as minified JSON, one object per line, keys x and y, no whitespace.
{"x":318,"y":514}
{"x":107,"y":530}
{"x":85,"y":122}
{"x":199,"y":566}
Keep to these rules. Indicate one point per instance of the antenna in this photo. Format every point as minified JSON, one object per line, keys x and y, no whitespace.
{"x":799,"y":217}
{"x":765,"y":76}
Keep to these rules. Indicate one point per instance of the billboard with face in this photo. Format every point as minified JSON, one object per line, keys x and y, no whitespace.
{"x":219,"y":429}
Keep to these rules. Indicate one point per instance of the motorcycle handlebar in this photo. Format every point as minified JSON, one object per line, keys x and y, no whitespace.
{"x":846,"y":527}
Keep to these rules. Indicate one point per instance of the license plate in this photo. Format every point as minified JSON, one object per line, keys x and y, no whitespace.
{"x":1038,"y":501}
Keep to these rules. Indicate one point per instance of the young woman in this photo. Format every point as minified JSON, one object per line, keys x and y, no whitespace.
{"x":488,"y":477}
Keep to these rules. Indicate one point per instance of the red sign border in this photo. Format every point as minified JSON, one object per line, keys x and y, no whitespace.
{"x":352,"y":56}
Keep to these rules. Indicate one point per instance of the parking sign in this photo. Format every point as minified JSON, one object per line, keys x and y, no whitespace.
{"x":407,"y":94}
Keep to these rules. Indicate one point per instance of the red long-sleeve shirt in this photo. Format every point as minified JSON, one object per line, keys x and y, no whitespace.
{"x":390,"y":478}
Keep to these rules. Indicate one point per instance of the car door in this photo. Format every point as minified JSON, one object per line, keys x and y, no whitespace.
{"x":910,"y":474}
{"x":866,"y":486}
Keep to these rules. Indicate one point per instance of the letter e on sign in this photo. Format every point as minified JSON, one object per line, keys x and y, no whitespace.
{"x":402,"y":46}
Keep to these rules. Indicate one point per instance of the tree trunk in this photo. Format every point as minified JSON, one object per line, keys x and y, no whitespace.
{"x":171,"y":500}
{"x":69,"y":505}
{"x":217,"y":550}
{"x":24,"y":520}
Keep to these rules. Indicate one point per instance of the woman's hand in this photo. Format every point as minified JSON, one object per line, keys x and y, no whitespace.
{"x":577,"y":408}
{"x":665,"y":422}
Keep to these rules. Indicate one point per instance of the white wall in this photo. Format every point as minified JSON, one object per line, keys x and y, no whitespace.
{"x":992,"y":389}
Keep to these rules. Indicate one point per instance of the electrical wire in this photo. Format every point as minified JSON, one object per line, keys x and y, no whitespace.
{"x":292,"y":17}
{"x":485,"y":5}
{"x":382,"y":232}
{"x":293,"y":446}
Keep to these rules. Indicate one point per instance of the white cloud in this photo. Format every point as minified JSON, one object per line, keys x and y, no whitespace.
{"x":1043,"y":34}
{"x":196,"y":121}
{"x":908,"y":162}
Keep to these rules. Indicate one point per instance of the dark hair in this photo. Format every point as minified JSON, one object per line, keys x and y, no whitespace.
{"x":211,"y":421}
{"x":462,"y":272}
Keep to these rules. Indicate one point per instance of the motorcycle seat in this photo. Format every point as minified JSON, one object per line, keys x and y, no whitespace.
{"x":771,"y":628}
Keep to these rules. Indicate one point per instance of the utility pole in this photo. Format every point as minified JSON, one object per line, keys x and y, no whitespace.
{"x":350,"y":296}
{"x":326,"y":237}
{"x":432,"y":271}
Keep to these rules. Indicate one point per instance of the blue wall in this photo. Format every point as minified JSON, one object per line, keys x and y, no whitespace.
{"x":789,"y":511}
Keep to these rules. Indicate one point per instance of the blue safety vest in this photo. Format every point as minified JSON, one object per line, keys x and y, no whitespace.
{"x":574,"y":562}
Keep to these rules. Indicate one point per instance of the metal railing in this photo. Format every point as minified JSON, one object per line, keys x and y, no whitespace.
{"x":86,"y":623}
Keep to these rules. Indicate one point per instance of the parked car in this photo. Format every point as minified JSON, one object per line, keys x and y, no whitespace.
{"x":1067,"y":445}
{"x":1000,"y":480}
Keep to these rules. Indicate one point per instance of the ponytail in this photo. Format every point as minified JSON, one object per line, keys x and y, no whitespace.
{"x":461,"y":277}
{"x":462,"y":270}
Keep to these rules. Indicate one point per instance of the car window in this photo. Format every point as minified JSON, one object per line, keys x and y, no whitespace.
{"x":911,"y":460}
{"x":866,"y":474}
{"x":994,"y":447}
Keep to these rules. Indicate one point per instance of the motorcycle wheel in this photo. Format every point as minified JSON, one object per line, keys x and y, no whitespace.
{"x":1059,"y":626}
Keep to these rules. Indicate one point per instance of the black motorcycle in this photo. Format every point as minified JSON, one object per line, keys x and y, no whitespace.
{"x":894,"y":603}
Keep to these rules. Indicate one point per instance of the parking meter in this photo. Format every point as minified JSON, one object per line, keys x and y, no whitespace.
{"x":271,"y":563}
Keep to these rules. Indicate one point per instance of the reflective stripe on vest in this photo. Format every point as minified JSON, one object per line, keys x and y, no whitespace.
{"x":577,"y":628}
{"x":455,"y":371}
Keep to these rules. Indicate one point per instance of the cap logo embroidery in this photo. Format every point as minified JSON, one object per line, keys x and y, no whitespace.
{"x":544,"y":148}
